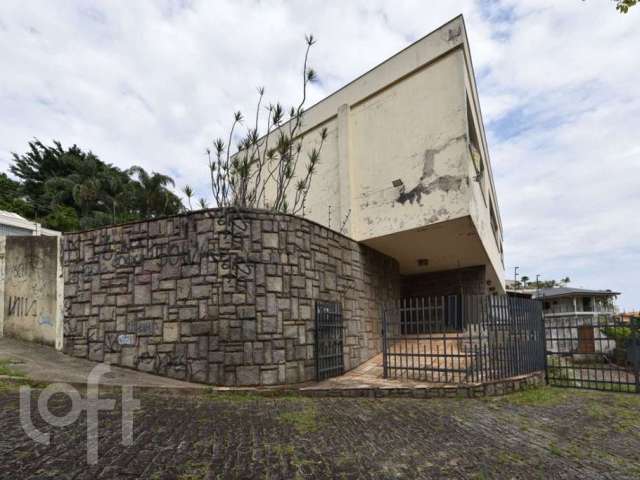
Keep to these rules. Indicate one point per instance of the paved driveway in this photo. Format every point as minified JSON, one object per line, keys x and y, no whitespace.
{"x":544,"y":434}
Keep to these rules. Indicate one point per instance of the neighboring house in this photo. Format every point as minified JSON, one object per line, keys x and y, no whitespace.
{"x":13,"y":224}
{"x":566,"y":301}
{"x":576,"y":319}
{"x":405,"y":168}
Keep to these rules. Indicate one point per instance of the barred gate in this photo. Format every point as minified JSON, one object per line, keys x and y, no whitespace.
{"x":596,"y":352}
{"x":462,"y":339}
{"x":329,"y":345}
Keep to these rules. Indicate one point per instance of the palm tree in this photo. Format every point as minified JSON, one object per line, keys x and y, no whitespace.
{"x":153,"y":193}
{"x":188,"y":191}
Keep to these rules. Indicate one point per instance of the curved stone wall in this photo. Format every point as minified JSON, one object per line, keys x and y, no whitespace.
{"x":226,"y":298}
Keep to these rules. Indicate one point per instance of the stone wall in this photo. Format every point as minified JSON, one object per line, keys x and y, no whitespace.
{"x":223,"y":298}
{"x":462,"y":281}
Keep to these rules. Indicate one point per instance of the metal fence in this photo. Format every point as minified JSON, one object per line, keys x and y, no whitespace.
{"x":598,"y":352}
{"x":329,"y":346}
{"x":462,"y":339}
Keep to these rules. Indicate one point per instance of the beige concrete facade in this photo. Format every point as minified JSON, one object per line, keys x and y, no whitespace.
{"x":31,"y":288}
{"x":405,"y":168}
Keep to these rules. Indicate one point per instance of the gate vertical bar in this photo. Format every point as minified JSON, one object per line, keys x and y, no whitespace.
{"x":635,"y":353}
{"x":383,"y":313}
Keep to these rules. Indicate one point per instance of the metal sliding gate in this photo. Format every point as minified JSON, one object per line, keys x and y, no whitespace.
{"x":329,"y":346}
{"x":597,"y":352}
{"x":462,"y":339}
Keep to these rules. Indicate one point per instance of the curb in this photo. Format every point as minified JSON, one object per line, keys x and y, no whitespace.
{"x":488,"y":389}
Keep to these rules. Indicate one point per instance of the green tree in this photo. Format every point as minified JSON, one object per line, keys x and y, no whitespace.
{"x":623,"y":6}
{"x":11,"y":197}
{"x":53,"y":180}
{"x":155,"y":199}
{"x":62,"y":218}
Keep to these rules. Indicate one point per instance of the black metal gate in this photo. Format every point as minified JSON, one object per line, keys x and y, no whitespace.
{"x":593,"y":351}
{"x":329,"y":341}
{"x":462,"y":339}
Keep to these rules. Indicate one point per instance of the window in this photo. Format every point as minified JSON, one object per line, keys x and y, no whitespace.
{"x":474,"y":142}
{"x":492,"y":214}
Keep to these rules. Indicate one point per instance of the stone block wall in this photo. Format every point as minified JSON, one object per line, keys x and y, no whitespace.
{"x":226,"y":298}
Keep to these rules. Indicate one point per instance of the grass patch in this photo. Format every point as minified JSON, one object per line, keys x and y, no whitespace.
{"x":542,"y":396}
{"x":304,"y":420}
{"x":6,"y":368}
{"x":284,"y":450}
{"x":194,"y":471}
{"x":13,"y":384}
{"x":233,"y":396}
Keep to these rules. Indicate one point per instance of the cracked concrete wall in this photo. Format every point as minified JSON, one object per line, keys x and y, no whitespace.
{"x":413,"y":132}
{"x":398,"y":157}
{"x":2,"y":279}
{"x":33,"y":290}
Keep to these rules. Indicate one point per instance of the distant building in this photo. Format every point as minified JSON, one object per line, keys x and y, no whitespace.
{"x":514,"y":288}
{"x":566,"y":301}
{"x":576,"y":319}
{"x":12,"y":224}
{"x":628,"y":316}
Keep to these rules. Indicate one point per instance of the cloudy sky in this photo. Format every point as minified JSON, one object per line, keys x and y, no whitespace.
{"x":152,"y":83}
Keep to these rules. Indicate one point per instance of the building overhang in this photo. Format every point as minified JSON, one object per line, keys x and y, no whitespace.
{"x":447,"y":245}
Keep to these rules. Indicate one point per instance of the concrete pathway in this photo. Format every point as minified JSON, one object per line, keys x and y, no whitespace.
{"x":44,"y":364}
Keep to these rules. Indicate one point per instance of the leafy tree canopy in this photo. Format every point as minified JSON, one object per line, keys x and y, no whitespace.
{"x":70,"y":189}
{"x":623,"y":6}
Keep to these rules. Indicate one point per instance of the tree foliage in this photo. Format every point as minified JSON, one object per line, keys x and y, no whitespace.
{"x":10,"y":199}
{"x":623,"y":6}
{"x":69,"y":189}
{"x":526,"y":282}
{"x":263,"y":172}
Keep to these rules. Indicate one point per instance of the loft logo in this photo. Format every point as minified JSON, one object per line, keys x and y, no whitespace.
{"x":92,"y":404}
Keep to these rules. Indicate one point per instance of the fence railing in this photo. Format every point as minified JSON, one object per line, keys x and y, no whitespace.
{"x":596,"y":352}
{"x":462,"y":339}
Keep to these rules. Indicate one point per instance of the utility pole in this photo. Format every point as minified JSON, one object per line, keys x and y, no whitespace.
{"x":537,"y":285}
{"x":515,"y":277}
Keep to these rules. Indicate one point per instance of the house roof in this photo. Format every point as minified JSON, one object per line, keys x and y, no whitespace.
{"x":569,"y":292}
{"x":15,"y":220}
{"x":12,"y":219}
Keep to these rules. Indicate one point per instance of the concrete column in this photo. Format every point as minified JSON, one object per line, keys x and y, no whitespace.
{"x":59,"y":308}
{"x":344,"y":211}
{"x":2,"y":277}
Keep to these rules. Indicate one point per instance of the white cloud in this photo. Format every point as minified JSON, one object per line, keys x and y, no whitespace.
{"x":152,"y":83}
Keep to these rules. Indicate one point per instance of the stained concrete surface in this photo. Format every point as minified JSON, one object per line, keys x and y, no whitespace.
{"x":43,"y":364}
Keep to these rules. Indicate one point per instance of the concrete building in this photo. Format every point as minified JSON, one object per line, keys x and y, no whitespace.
{"x":405,"y":169}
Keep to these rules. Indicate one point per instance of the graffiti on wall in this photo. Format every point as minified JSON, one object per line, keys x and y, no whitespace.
{"x":22,"y":307}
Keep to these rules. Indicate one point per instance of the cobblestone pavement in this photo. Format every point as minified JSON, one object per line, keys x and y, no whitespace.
{"x":545,"y":433}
